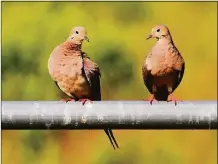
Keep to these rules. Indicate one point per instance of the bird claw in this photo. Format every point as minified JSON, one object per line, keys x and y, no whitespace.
{"x":67,"y":100}
{"x":172,"y":98}
{"x":151,"y":99}
{"x":84,"y":101}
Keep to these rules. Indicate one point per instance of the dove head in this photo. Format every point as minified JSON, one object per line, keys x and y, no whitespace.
{"x":159,"y":32}
{"x":77,"y":35}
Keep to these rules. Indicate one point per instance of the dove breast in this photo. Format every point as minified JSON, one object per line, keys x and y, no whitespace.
{"x":163,"y":62}
{"x":65,"y":67}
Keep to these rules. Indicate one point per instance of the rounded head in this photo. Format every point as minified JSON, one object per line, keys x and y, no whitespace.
{"x":77,"y":35}
{"x":159,"y":31}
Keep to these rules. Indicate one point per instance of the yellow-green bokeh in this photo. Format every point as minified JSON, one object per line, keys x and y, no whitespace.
{"x":117,"y":32}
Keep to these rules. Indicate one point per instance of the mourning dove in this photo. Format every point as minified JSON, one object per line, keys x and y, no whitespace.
{"x":163,"y":67}
{"x":75,"y":73}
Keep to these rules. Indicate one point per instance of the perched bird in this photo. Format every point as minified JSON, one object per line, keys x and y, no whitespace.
{"x":75,"y":73}
{"x":163,"y":67}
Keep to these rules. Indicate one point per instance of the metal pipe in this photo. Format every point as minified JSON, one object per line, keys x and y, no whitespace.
{"x":110,"y":114}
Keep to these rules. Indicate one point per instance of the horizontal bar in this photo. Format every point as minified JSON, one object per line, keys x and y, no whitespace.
{"x":110,"y":114}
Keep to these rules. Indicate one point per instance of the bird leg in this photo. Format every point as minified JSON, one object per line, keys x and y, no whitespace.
{"x":151,"y":99}
{"x":172,"y":98}
{"x":67,"y":99}
{"x":154,"y":90}
{"x":84,"y":101}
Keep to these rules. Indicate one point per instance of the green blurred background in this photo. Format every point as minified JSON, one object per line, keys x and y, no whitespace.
{"x":117,"y":32}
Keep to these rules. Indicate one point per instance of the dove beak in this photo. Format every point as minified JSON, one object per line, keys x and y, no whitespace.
{"x":149,"y":36}
{"x":86,"y":38}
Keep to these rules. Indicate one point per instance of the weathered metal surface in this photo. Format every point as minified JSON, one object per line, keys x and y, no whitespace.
{"x":111,"y":114}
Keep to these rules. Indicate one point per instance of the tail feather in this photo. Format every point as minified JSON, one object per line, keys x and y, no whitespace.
{"x":161,"y":94}
{"x":111,"y":137}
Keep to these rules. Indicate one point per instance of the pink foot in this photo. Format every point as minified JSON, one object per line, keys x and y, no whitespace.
{"x":67,"y":100}
{"x":172,"y":98}
{"x":151,"y":99}
{"x":85,"y":100}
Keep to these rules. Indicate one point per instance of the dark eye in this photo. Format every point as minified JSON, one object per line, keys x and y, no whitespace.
{"x":77,"y":32}
{"x":158,"y":30}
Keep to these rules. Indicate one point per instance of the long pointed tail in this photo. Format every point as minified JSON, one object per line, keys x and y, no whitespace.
{"x":111,"y":137}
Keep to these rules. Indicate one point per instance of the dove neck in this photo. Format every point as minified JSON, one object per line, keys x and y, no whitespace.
{"x":73,"y":46}
{"x":166,"y":40}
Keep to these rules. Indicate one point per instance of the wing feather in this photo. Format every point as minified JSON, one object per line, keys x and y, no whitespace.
{"x":146,"y":73}
{"x":92,"y":73}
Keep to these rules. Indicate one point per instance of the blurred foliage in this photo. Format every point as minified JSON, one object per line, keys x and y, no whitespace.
{"x":117,"y":31}
{"x":116,"y":69}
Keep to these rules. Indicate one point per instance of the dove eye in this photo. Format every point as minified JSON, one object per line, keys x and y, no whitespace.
{"x":158,"y":30}
{"x":77,"y":32}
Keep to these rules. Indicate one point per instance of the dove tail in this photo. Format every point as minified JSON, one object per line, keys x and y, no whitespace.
{"x":161,"y":94}
{"x":111,"y":137}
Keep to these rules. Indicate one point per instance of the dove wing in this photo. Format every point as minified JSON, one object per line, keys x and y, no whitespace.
{"x":92,"y":73}
{"x":179,"y":76}
{"x":179,"y":66}
{"x":146,"y":72}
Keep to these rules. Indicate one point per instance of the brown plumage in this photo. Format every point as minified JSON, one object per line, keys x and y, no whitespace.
{"x":163,"y":67}
{"x":75,"y":73}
